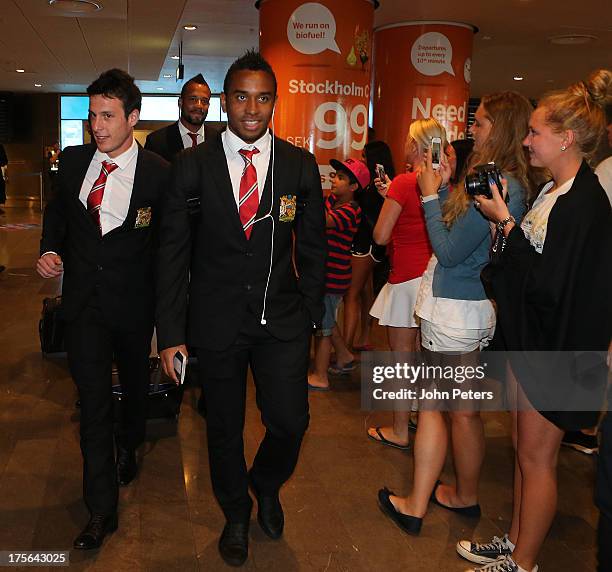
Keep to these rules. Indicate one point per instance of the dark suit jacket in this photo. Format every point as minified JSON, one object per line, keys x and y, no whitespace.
{"x":121,"y":264}
{"x":167,"y":141}
{"x":208,"y":281}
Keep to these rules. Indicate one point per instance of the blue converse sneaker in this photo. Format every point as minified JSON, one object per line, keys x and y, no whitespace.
{"x":485,"y":553}
{"x":504,"y":564}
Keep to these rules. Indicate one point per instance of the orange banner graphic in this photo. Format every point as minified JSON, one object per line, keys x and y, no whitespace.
{"x":321,"y":53}
{"x":422,"y":69}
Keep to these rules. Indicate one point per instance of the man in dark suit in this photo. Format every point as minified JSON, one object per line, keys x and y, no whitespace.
{"x":232,"y":291}
{"x":190,"y":130}
{"x":101,"y":232}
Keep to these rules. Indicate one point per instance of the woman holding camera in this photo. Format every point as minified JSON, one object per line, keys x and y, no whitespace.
{"x":552,"y":291}
{"x":401,"y":225}
{"x":457,"y":319}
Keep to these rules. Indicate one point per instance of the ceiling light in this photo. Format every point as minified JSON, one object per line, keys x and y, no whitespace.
{"x":76,"y":6}
{"x":518,"y":78}
{"x":167,"y":75}
{"x":38,"y":85}
{"x":20,"y":71}
{"x":572,"y":39}
{"x":174,"y":57}
{"x":160,"y":89}
{"x":190,"y":27}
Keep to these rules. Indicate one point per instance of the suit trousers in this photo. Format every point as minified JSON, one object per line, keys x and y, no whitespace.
{"x":91,"y":344}
{"x":280,"y":373}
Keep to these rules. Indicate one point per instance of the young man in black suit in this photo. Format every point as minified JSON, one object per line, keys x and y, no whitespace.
{"x":101,"y":232}
{"x":232,"y":291}
{"x":190,"y":130}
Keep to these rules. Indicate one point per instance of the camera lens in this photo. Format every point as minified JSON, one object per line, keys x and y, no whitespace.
{"x":472,"y":184}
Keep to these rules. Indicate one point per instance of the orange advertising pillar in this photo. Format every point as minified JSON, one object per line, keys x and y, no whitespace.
{"x":422,"y":69}
{"x":321,"y":55}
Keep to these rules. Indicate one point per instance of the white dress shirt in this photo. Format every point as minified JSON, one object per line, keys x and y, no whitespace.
{"x":232,"y":144}
{"x":118,"y":189}
{"x":185,"y":135}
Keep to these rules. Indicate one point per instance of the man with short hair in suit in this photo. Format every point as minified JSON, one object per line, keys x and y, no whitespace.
{"x":190,"y":130}
{"x":100,"y":231}
{"x":245,"y":290}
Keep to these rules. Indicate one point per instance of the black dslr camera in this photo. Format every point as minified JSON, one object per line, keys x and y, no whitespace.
{"x":477,"y":183}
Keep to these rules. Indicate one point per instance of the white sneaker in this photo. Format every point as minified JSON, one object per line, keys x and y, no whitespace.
{"x":485,"y":553}
{"x":504,"y":564}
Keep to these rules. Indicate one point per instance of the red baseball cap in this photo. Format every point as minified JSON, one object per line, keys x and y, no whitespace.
{"x":357,"y":168}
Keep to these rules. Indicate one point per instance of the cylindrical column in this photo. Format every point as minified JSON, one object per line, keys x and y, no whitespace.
{"x":422,"y":69}
{"x":321,"y":54}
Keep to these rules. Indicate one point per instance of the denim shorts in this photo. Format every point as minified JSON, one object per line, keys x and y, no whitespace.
{"x":331,"y":303}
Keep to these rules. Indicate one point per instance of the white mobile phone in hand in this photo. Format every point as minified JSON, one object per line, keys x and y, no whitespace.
{"x":180,"y":365}
{"x":380,"y":173}
{"x":436,"y":149}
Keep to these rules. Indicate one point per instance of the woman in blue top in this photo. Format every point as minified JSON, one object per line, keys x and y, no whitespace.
{"x":457,"y":319}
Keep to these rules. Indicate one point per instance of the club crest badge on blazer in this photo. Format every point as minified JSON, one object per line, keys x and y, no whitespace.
{"x":287,"y":208}
{"x":143,"y":217}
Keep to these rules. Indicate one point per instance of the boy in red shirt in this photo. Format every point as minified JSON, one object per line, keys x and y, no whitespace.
{"x":343,"y":217}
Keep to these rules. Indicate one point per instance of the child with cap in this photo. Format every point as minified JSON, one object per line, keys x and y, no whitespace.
{"x":343,"y":216}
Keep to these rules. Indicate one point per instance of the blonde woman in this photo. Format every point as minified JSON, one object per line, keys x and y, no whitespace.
{"x":457,"y":319}
{"x":552,"y":291}
{"x":401,"y":226}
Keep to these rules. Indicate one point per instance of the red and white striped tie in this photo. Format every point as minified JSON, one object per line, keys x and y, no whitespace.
{"x":248,"y":200}
{"x":94,"y":199}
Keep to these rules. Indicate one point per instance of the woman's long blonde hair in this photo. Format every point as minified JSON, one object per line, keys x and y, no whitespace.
{"x":508,"y":112}
{"x":422,"y":131}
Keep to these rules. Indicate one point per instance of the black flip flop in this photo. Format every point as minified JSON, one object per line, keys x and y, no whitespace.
{"x":384,"y":441}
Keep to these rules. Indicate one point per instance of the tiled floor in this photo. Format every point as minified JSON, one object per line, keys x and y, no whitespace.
{"x":168,"y":517}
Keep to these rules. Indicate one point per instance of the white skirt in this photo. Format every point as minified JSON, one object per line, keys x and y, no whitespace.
{"x":394,"y":305}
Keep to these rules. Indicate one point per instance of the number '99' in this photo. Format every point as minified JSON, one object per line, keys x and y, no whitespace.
{"x":358,"y":122}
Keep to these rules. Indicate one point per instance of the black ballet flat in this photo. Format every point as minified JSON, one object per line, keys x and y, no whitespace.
{"x":409,"y":524}
{"x":472,"y":511}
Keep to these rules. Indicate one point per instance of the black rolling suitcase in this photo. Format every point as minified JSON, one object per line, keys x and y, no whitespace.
{"x":164,"y":399}
{"x":51,"y":327}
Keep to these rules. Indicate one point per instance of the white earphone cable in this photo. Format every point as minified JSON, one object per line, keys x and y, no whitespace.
{"x":263,"y":320}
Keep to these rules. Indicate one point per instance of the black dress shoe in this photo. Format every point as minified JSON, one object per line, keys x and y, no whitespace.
{"x":234,"y":543}
{"x":93,"y":534}
{"x":126,"y":465}
{"x":472,"y":511}
{"x":269,"y":513}
{"x":408,"y":523}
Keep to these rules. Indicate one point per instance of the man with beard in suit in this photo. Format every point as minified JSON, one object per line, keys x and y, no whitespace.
{"x":190,"y":130}
{"x":100,"y":231}
{"x":245,"y":289}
